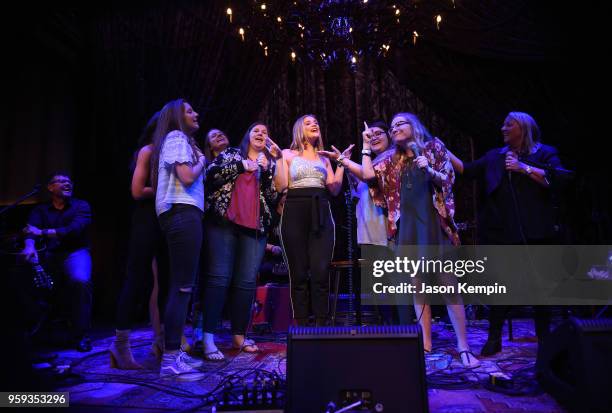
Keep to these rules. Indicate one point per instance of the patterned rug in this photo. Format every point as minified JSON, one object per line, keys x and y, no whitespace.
{"x":95,"y":386}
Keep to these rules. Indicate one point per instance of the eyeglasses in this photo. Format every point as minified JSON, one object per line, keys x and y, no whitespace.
{"x":398,"y":124}
{"x":379,"y":133}
{"x":61,"y":181}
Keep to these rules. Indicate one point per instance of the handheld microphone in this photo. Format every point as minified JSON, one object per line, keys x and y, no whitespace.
{"x":509,"y":171}
{"x":415,"y":149}
{"x":259,"y":167}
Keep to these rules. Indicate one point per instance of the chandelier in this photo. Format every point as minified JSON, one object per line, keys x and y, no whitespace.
{"x":330,"y":32}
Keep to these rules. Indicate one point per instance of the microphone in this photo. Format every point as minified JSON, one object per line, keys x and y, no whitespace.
{"x":509,"y":171}
{"x":259,"y":167}
{"x":415,"y":149}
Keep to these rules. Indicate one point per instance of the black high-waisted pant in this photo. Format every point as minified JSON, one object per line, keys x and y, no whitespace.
{"x":308,"y":238}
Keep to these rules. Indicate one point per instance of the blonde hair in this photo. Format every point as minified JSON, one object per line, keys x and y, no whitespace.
{"x":299,"y":136}
{"x":529,"y":130}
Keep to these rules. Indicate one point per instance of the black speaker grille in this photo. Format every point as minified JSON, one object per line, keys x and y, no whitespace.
{"x":390,"y":332}
{"x":593,"y":325}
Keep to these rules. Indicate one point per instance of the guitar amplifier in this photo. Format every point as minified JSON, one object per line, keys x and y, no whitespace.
{"x":273,"y":307}
{"x":380,"y":367}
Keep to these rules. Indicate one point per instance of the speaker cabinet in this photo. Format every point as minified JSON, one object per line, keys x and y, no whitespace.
{"x":575,"y":365}
{"x":383,"y":366}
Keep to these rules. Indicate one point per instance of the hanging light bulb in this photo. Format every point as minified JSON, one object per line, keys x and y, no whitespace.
{"x":263,"y":6}
{"x":353,"y":60}
{"x":241,"y":33}
{"x":229,"y":14}
{"x":415,"y":35}
{"x":397,"y":12}
{"x":266,"y":51}
{"x":438,"y":21}
{"x":293,"y":56}
{"x":279,"y":19}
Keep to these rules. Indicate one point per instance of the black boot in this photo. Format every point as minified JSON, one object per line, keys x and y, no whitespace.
{"x":493,"y":345}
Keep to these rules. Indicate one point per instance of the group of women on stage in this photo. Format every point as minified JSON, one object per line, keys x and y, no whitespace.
{"x":223,"y":200}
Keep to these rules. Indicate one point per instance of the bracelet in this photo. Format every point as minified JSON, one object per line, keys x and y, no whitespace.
{"x":366,"y":152}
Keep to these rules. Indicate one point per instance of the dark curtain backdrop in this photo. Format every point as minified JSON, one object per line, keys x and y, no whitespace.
{"x":84,"y":81}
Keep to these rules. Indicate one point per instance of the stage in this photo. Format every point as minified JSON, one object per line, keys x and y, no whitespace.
{"x":94,"y":386}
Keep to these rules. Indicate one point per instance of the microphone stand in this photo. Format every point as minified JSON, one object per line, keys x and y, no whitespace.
{"x":33,"y":192}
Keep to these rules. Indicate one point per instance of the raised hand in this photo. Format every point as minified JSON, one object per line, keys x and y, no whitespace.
{"x":273,"y":149}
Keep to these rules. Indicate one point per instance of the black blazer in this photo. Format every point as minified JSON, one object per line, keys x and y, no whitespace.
{"x":513,"y":202}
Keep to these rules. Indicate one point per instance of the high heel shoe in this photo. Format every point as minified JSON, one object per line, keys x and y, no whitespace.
{"x":469,"y":361}
{"x":120,"y":352}
{"x":157,"y":347}
{"x":491,"y":347}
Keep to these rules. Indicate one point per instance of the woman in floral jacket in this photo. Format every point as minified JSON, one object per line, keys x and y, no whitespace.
{"x":240,"y":200}
{"x":415,"y":180}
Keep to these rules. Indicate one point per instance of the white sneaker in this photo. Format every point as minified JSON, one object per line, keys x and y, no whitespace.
{"x":193,"y":362}
{"x":174,"y":365}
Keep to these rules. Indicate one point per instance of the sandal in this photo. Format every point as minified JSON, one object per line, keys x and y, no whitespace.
{"x":470,"y":360}
{"x":214,"y":356}
{"x":247,"y":346}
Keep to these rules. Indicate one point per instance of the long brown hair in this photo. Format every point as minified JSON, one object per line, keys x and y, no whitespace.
{"x":171,"y":117}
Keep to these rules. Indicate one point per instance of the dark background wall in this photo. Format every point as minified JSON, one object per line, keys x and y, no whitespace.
{"x":82,"y":82}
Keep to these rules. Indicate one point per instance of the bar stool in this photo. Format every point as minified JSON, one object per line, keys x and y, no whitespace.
{"x":336,"y":267}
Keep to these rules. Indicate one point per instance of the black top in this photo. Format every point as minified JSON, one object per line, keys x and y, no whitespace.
{"x":71,"y":224}
{"x":503,"y":213}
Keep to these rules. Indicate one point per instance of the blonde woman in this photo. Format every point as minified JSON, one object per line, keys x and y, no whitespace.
{"x":307,"y":224}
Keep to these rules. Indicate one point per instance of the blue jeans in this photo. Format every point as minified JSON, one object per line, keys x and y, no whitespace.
{"x":75,"y":266}
{"x":233,"y":258}
{"x":182,"y":227}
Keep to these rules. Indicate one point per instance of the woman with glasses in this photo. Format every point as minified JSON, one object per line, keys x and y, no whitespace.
{"x":371,"y":219}
{"x":415,"y":181}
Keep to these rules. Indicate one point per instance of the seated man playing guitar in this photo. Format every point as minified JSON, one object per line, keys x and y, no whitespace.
{"x":63,"y":225}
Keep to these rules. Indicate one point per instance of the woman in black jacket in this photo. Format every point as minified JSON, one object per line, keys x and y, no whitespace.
{"x":518,"y":207}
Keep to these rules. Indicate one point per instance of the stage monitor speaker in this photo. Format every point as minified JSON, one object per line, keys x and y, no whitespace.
{"x":381,"y":366}
{"x":575,"y":364}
